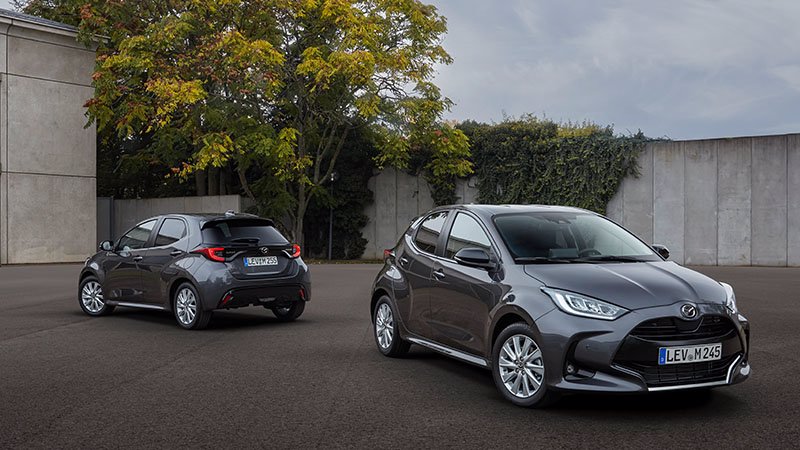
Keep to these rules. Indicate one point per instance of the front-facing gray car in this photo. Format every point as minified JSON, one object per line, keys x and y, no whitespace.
{"x":193,"y":264}
{"x":554,"y":300}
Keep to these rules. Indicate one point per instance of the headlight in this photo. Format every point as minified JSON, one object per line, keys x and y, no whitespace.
{"x":730,"y":298}
{"x":583,"y":306}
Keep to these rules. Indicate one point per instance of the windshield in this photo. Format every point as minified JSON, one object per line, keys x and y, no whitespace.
{"x":569,"y":237}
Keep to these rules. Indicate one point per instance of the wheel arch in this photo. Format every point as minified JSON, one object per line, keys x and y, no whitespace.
{"x":173,"y":288}
{"x":503,"y":319}
{"x":376,"y":295}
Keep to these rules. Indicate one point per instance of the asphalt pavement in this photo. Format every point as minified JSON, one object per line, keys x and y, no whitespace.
{"x":135,"y":379}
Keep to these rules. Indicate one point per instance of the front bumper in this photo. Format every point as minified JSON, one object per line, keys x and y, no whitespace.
{"x":608,"y":356}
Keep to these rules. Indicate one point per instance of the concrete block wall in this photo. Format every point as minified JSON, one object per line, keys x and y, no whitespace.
{"x":115,"y":217}
{"x":47,"y":155}
{"x":731,"y":202}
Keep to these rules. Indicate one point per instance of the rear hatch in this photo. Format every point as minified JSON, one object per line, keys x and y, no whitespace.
{"x":250,"y":247}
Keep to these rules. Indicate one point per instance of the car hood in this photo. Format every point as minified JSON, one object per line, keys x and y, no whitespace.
{"x":631,"y":285}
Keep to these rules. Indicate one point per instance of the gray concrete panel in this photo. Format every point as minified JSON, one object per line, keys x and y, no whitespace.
{"x":51,"y":62}
{"x":193,"y":204}
{"x":371,"y":249}
{"x":615,"y":207}
{"x":668,"y":198}
{"x":700,"y":183}
{"x":769,"y":201}
{"x":424,"y":199}
{"x":793,"y":219}
{"x":638,"y":194}
{"x":3,"y":41}
{"x":733,"y":199}
{"x":35,"y":201}
{"x":386,"y":209}
{"x":407,"y":199}
{"x":46,"y":131}
{"x":48,"y":36}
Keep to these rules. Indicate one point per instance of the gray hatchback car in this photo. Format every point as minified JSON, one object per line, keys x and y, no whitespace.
{"x":193,"y":264}
{"x":553,"y":300}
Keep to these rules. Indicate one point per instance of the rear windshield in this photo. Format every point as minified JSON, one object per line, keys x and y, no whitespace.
{"x":243,"y":231}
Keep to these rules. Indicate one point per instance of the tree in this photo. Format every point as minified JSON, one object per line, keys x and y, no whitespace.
{"x":274,"y":86}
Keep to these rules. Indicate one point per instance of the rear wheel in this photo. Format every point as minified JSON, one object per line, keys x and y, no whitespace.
{"x":518,"y":367}
{"x":188,"y":310}
{"x":385,"y":329}
{"x":90,"y":297}
{"x":289,"y":313}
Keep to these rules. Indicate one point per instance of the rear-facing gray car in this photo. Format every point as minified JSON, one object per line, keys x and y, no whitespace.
{"x":553,"y":300}
{"x":192,"y":264}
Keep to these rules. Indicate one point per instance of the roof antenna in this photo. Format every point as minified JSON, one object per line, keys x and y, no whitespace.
{"x":230,"y":213}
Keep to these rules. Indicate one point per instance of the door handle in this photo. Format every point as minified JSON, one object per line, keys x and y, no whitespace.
{"x":403,"y":260}
{"x":137,"y":258}
{"x":438,"y":273}
{"x":175,"y":253}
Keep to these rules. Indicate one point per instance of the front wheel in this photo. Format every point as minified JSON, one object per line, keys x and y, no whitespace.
{"x":188,"y":310}
{"x":385,"y":329}
{"x":90,"y":297}
{"x":518,"y":367}
{"x":289,"y":313}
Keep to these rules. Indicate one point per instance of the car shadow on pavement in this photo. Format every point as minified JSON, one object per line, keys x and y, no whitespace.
{"x":221,"y":320}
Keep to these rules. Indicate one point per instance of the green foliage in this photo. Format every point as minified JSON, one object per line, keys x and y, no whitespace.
{"x":531,"y":160}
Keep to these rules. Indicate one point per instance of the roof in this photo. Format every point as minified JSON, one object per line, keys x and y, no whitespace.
{"x":501,"y":209}
{"x":15,"y":16}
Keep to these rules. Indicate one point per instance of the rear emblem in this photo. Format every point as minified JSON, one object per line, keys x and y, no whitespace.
{"x":264,"y":250}
{"x":689,"y":311}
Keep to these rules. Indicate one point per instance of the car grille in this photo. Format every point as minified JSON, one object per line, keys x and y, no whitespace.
{"x":677,"y":374}
{"x":674,"y":329}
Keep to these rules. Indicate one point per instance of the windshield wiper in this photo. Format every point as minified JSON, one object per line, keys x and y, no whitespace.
{"x":542,"y":260}
{"x":611,"y":258}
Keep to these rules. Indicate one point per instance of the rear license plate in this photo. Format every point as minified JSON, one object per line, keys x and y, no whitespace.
{"x":256,"y":261}
{"x":689,"y":354}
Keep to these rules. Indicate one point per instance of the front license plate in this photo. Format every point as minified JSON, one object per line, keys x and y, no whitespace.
{"x":256,"y":261}
{"x":694,"y":353}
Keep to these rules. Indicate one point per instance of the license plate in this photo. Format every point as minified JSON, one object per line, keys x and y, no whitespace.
{"x":256,"y":261}
{"x":694,"y":353}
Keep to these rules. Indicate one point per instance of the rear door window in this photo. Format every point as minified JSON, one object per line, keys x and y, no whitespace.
{"x":171,"y":231}
{"x":243,"y":232}
{"x":429,"y":231}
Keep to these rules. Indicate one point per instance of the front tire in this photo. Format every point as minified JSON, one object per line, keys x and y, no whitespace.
{"x":188,"y":310}
{"x":384,"y":327}
{"x":90,"y":297}
{"x":518,"y":367}
{"x":290,"y":313}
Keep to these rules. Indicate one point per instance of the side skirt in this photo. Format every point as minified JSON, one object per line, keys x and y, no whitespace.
{"x":136,"y":305}
{"x":449,"y":351}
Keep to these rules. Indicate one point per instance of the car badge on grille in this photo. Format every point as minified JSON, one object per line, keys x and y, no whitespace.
{"x":264,"y":250}
{"x":689,"y":311}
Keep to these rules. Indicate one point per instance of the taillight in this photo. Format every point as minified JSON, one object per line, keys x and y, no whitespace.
{"x":295,"y":251}
{"x":212,"y":253}
{"x":388,"y":253}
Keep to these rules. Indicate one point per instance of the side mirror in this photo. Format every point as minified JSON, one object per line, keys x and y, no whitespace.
{"x":106,"y":246}
{"x":661,"y":250}
{"x":474,"y":257}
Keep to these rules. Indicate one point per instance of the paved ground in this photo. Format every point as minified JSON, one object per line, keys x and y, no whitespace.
{"x":136,"y":379}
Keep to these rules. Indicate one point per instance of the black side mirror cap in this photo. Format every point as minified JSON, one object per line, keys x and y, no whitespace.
{"x":106,"y":246}
{"x":661,"y":250}
{"x":474,"y":257}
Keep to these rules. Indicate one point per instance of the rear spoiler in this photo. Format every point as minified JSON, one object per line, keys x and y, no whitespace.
{"x":254,"y":220}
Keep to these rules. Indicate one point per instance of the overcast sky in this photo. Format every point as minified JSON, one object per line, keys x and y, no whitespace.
{"x":678,"y":69}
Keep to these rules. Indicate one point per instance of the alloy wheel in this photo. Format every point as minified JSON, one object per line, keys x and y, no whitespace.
{"x":92,"y":297}
{"x":521,"y":366}
{"x":384,"y":326}
{"x":186,"y":306}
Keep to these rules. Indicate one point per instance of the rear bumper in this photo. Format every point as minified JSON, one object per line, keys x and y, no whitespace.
{"x":605,"y":357}
{"x":267,"y":296}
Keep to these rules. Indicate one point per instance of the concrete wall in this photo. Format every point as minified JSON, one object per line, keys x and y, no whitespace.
{"x":47,"y":157}
{"x":115,"y":217}
{"x":727,"y":202}
{"x":399,"y":198}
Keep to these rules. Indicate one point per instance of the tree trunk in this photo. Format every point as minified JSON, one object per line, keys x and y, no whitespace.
{"x":213,"y":181}
{"x":302,"y":204}
{"x":200,"y":183}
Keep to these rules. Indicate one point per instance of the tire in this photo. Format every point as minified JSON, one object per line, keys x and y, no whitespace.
{"x":90,"y":297}
{"x":291,"y":313}
{"x":385,"y":330}
{"x":187,"y":308}
{"x":520,"y":376}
